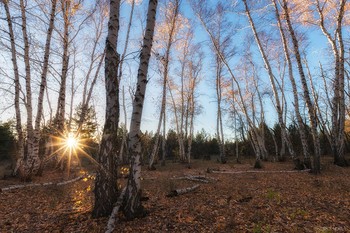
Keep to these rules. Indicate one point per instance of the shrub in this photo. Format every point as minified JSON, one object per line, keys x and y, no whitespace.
{"x":7,"y":141}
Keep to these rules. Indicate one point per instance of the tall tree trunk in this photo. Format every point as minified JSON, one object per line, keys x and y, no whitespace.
{"x":20,"y":142}
{"x":165,"y":62}
{"x":301,"y":127}
{"x":190,"y":137}
{"x":306,"y":94}
{"x":132,"y":206}
{"x":32,"y":161}
{"x":272,"y":81}
{"x":164,"y":138}
{"x":43,"y":82}
{"x":156,"y":142}
{"x":338,"y":102}
{"x":106,"y":179}
{"x":122,"y":154}
{"x":219,"y":125}
{"x":237,"y":84}
{"x":61,"y":105}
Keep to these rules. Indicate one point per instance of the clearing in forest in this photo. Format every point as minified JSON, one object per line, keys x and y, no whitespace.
{"x":231,"y":198}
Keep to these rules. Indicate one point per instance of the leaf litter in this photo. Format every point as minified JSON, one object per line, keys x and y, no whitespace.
{"x":238,"y":200}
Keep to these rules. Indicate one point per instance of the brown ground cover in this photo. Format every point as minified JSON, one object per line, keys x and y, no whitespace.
{"x":261,"y":201}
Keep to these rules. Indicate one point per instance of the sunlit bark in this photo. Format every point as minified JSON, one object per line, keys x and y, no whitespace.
{"x":338,"y":102}
{"x":106,"y":177}
{"x":132,"y":206}
{"x":272,"y":80}
{"x":306,"y":94}
{"x":301,"y":126}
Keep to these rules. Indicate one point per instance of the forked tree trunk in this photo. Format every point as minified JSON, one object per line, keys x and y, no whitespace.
{"x":106,"y":178}
{"x":338,"y":101}
{"x":239,"y":89}
{"x":301,"y":127}
{"x":32,"y":161}
{"x":132,"y":206}
{"x":272,"y":81}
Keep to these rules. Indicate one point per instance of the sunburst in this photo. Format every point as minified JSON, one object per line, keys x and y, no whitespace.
{"x":68,"y":146}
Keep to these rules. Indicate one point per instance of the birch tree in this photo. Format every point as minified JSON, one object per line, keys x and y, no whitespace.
{"x":306,"y":93}
{"x":219,"y":27}
{"x":272,"y":78}
{"x":132,"y":206}
{"x":185,"y":105}
{"x":287,"y":54}
{"x":199,"y":9}
{"x":106,"y":177}
{"x":28,"y":161}
{"x":337,"y":45}
{"x":73,"y":19}
{"x":96,"y":58}
{"x":20,"y":142}
{"x":167,"y":32}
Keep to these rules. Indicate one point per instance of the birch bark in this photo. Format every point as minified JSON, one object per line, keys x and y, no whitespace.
{"x":306,"y":95}
{"x":106,"y":177}
{"x":301,"y":127}
{"x":132,"y":206}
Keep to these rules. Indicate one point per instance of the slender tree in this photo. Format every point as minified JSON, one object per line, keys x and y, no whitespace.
{"x":169,"y":26}
{"x":287,"y":54}
{"x":272,"y":78}
{"x":338,"y":102}
{"x":20,"y":142}
{"x":106,"y":179}
{"x":306,"y":93}
{"x":132,"y":206}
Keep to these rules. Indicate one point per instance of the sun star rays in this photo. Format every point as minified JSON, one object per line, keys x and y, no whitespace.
{"x":68,"y":147}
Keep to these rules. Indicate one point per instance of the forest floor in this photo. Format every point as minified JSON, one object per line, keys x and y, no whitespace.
{"x":246,"y":200}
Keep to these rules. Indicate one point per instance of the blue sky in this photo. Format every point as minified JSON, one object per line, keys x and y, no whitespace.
{"x":316,"y":50}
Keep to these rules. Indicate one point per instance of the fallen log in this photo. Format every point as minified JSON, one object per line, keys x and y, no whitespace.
{"x":178,"y":192}
{"x":192,"y":178}
{"x":243,"y":172}
{"x":41,"y":184}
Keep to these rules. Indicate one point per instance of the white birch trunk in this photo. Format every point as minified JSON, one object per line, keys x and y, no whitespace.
{"x":306,"y":95}
{"x":272,"y":80}
{"x":301,"y":127}
{"x":20,"y":143}
{"x":235,"y":81}
{"x":61,"y":105}
{"x":106,"y":178}
{"x":338,"y":102}
{"x":132,"y":204}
